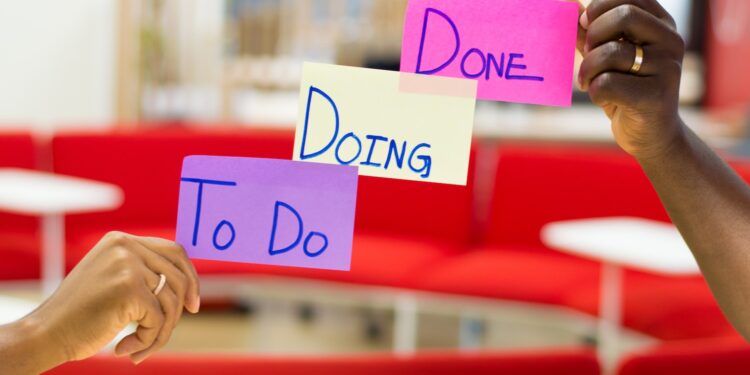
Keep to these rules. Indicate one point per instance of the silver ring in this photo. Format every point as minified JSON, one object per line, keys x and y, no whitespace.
{"x":162,"y":283}
{"x":638,"y":62}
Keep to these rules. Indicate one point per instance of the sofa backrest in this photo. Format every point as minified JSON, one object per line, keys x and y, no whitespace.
{"x":17,"y":150}
{"x":415,"y":208}
{"x":19,"y":248}
{"x":536,"y":184}
{"x":146,"y":165}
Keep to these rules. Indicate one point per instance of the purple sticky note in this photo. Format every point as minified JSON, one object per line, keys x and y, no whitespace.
{"x":518,"y":50}
{"x":267,"y":211}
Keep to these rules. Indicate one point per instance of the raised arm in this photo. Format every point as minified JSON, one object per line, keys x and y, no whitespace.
{"x":706,"y":200}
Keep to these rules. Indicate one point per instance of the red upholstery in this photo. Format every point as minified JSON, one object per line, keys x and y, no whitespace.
{"x":535,"y":185}
{"x":542,"y":363}
{"x":146,"y":165}
{"x":539,"y":184}
{"x":19,"y":247}
{"x":410,"y":234}
{"x":669,"y":308}
{"x":415,"y":208}
{"x":401,"y":226}
{"x":695,"y":357}
{"x":376,"y":260}
{"x":509,"y":272}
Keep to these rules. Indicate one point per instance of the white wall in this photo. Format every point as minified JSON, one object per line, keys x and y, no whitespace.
{"x":57,"y":63}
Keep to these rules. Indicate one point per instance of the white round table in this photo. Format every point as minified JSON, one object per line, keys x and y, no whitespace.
{"x":51,"y":196}
{"x":12,"y":309}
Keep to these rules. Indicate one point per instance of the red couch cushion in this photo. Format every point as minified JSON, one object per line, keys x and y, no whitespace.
{"x":147,"y":166}
{"x":539,"y":184}
{"x":377,"y":259}
{"x":403,"y":219}
{"x":562,"y":362}
{"x":694,"y":357}
{"x":416,"y":208}
{"x":669,"y":308}
{"x":509,"y":272}
{"x":19,"y":240}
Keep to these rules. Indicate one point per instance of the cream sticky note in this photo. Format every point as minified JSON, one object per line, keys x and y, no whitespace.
{"x":518,"y":50}
{"x":389,"y":124}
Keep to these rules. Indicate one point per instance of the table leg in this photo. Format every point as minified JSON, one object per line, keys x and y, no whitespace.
{"x":610,"y":314}
{"x":405,"y":325}
{"x":53,"y":252}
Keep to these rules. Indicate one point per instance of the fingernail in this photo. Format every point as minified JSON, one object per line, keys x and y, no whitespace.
{"x":584,"y":21}
{"x":195,"y":305}
{"x":126,"y":348}
{"x":138,"y":358}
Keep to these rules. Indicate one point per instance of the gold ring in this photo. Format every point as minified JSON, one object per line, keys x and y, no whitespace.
{"x":162,"y":283}
{"x":638,"y":62}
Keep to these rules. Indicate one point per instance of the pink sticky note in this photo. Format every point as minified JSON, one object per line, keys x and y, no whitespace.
{"x":266,"y":211}
{"x":519,"y":51}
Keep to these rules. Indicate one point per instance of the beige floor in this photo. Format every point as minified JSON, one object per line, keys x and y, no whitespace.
{"x":281,"y":316}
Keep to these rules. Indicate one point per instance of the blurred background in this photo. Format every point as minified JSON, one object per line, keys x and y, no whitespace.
{"x":137,"y":62}
{"x":118,"y":91}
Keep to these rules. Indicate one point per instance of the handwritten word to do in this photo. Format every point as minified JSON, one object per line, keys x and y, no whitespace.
{"x":362,"y":117}
{"x":518,"y":50}
{"x":267,"y":211}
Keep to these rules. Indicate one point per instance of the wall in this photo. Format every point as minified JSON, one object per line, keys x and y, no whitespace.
{"x":57,"y":63}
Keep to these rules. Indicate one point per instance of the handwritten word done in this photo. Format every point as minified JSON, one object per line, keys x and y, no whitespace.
{"x":475,"y":63}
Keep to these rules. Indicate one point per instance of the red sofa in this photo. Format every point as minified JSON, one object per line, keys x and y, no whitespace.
{"x":416,"y":235}
{"x":536,"y":184}
{"x":146,"y":165}
{"x":401,"y":226}
{"x":19,"y":248}
{"x":572,"y":362}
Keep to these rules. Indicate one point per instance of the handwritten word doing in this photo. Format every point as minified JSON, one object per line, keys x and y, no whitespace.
{"x":395,"y":154}
{"x":227,"y":226}
{"x":487,"y":63}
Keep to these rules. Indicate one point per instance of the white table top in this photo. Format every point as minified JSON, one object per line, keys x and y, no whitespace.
{"x":12,"y":309}
{"x":633,"y":242}
{"x":32,"y":192}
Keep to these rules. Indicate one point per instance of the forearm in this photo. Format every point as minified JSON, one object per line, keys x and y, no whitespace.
{"x":25,"y":349}
{"x":710,"y":205}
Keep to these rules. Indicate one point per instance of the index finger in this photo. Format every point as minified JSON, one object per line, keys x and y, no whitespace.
{"x":176,"y":254}
{"x":599,"y":7}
